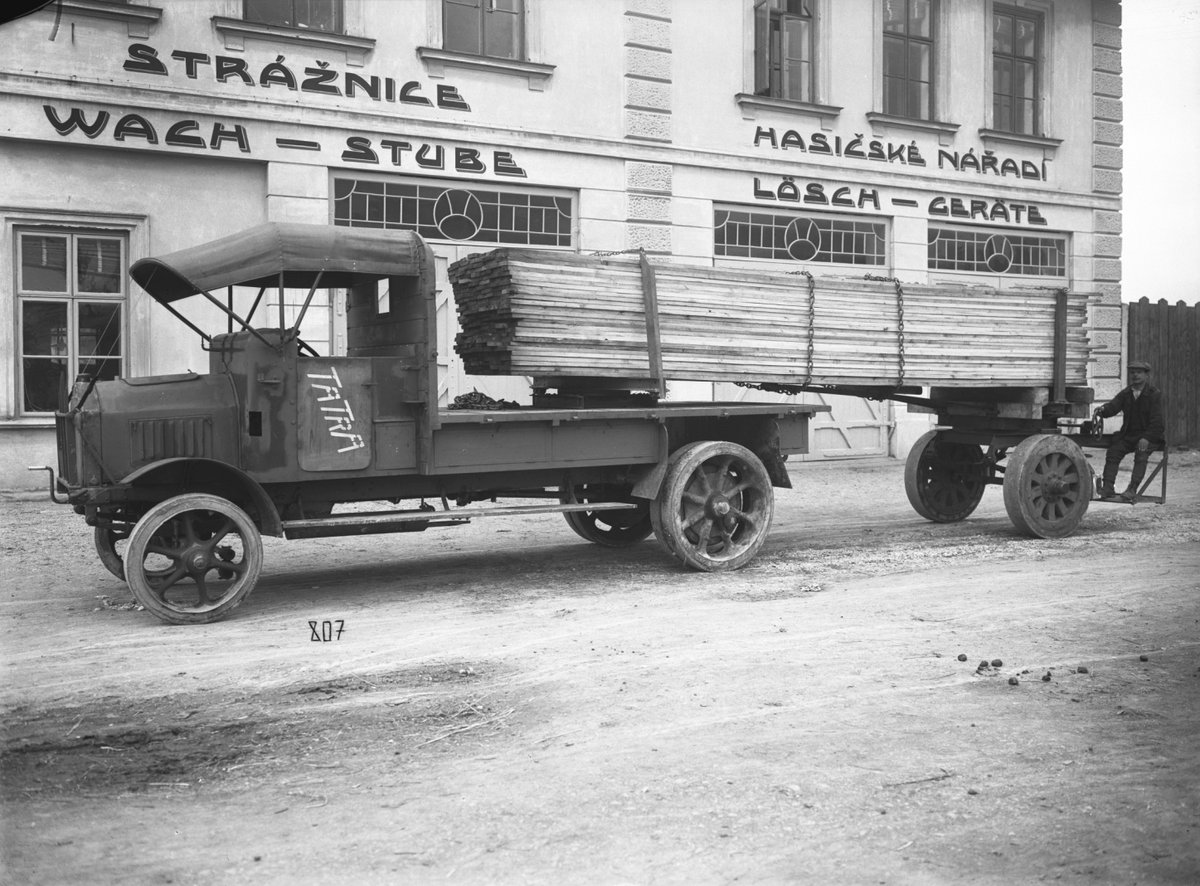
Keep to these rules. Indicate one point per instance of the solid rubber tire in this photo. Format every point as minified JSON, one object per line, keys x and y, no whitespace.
{"x":144,"y":534}
{"x":928,"y":462}
{"x":676,"y":493}
{"x":1047,"y":486}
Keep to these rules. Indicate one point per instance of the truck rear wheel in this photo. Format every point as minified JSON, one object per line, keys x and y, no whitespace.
{"x":1047,"y":486}
{"x":193,"y":558}
{"x":944,"y":481}
{"x":715,"y":506}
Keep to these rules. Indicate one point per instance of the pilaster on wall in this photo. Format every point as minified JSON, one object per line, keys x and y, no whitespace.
{"x":1107,"y":373}
{"x":648,"y":70}
{"x":648,"y":186}
{"x":648,"y":189}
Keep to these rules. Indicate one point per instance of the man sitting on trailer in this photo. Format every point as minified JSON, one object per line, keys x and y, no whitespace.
{"x":1142,"y":430}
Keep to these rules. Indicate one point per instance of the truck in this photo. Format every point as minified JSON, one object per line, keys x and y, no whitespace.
{"x":181,"y":475}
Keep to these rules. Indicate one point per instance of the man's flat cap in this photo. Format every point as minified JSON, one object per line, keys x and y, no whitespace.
{"x":1140,"y":364}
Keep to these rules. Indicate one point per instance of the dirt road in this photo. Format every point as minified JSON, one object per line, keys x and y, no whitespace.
{"x":504,"y":703}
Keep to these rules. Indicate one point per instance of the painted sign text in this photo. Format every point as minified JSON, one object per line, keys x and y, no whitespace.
{"x":861,"y":148}
{"x":315,"y":79}
{"x":811,"y":193}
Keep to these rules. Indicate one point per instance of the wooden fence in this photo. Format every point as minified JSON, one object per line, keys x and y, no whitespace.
{"x":1168,"y":338}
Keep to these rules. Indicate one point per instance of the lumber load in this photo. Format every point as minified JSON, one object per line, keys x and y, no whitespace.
{"x":552,"y":314}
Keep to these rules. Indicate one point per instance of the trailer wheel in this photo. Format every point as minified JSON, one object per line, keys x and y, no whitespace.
{"x":1047,"y":486}
{"x":715,"y":506}
{"x":613,"y":529}
{"x":944,"y":480}
{"x":193,"y":558}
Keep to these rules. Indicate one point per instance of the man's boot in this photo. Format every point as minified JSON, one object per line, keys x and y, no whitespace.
{"x":1110,"y":477}
{"x":1135,"y":477}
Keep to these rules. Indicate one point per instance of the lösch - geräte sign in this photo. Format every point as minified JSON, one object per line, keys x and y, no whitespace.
{"x":812,"y":193}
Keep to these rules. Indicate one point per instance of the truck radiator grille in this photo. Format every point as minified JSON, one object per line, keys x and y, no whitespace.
{"x":187,"y":437}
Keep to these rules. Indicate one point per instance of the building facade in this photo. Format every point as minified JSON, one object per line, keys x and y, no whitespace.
{"x":926,"y":140}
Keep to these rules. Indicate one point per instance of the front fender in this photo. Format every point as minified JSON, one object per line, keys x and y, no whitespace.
{"x":209,"y":475}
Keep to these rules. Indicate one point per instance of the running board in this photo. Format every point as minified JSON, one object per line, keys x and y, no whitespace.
{"x":380,"y":522}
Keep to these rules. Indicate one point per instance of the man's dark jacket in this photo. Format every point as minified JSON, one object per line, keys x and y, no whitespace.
{"x":1143,"y":415}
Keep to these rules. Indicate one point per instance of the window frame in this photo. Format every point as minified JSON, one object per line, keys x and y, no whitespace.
{"x":74,"y":297}
{"x":436,"y":58}
{"x":484,"y":9}
{"x":907,"y":40}
{"x":1038,"y":60}
{"x":339,"y":8}
{"x":235,"y":33}
{"x":1018,"y":239}
{"x":380,"y":211}
{"x":768,"y":21}
{"x":804,"y":217}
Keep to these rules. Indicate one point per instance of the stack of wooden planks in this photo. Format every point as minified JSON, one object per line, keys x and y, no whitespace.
{"x":552,"y":314}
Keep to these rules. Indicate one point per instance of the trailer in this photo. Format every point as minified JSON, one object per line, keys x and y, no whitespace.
{"x":181,"y":475}
{"x":1004,"y":371}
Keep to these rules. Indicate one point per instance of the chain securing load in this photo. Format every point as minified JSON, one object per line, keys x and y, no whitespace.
{"x":899,"y":319}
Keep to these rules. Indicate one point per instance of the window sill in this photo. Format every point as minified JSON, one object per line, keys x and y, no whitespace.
{"x":27,"y":423}
{"x":235,"y":31}
{"x":137,"y":18}
{"x":1048,"y":145}
{"x":752,"y":104}
{"x":437,"y":60}
{"x":945,"y":131}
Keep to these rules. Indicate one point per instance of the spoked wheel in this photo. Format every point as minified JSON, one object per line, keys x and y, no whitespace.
{"x":715,"y":506}
{"x":1047,"y":486}
{"x":107,"y":538}
{"x":111,"y":543}
{"x":944,"y":480}
{"x":656,"y":522}
{"x":615,"y":528}
{"x":193,"y":558}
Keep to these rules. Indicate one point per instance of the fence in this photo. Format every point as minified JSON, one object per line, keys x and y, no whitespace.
{"x":1168,"y":338}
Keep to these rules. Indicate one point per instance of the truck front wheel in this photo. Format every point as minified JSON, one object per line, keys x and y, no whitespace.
{"x":107,"y":537}
{"x":193,"y":558}
{"x":613,"y":529}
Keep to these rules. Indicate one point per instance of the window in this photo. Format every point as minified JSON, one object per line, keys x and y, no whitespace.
{"x":310,"y":15}
{"x":908,"y":58}
{"x":494,"y":28}
{"x":988,"y":251}
{"x":1016,"y":70}
{"x":71,"y":293}
{"x":453,"y":212}
{"x":798,"y":237}
{"x":784,"y":41}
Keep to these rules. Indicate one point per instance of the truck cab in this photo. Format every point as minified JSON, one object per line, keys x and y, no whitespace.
{"x":179,"y":475}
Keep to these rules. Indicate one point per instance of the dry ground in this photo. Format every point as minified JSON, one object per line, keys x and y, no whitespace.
{"x":508,"y":704}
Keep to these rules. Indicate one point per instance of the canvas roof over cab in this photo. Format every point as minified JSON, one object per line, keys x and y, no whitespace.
{"x":258,"y":256}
